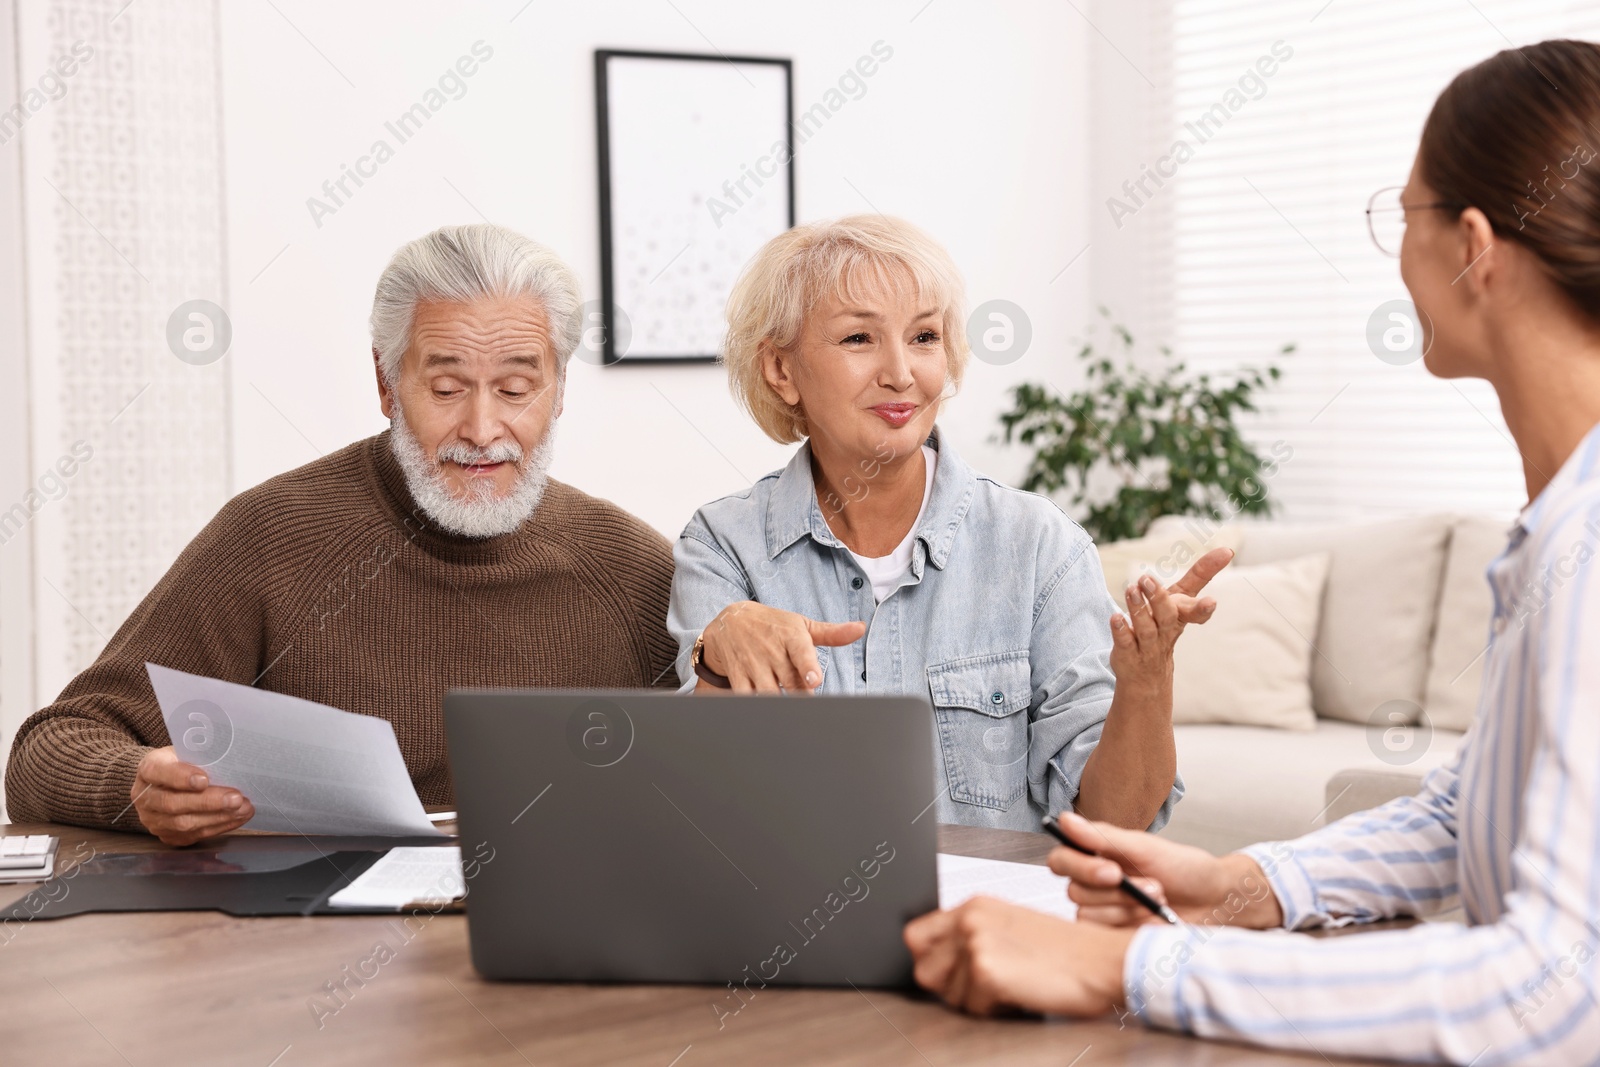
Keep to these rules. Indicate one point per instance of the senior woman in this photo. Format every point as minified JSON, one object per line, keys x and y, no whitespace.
{"x":877,"y":561}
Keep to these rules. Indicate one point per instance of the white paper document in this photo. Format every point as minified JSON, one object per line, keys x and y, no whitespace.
{"x":307,"y":768}
{"x":405,"y":875}
{"x":427,"y":874}
{"x":1028,"y":884}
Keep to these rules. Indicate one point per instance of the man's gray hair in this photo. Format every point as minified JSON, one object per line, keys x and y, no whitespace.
{"x":462,"y":264}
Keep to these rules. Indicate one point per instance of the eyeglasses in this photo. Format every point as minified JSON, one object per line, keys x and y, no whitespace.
{"x":1386,"y":217}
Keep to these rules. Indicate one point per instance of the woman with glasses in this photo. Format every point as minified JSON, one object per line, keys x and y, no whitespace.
{"x":1498,"y":233}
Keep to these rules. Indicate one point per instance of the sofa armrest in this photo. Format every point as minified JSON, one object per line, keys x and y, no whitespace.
{"x":1358,"y":789}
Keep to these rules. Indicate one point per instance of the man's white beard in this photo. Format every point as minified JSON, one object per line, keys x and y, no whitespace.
{"x":481,"y":514}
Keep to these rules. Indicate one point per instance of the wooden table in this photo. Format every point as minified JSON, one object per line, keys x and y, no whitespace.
{"x":160,"y":988}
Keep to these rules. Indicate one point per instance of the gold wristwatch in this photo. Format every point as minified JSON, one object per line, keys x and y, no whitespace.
{"x":698,"y":662}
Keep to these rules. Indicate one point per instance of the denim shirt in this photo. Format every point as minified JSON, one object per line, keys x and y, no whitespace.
{"x":1002,"y":624}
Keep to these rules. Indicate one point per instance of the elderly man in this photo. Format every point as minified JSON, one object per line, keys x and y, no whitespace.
{"x":436,"y":554}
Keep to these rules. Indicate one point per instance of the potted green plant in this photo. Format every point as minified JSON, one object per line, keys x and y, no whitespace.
{"x":1167,"y":438}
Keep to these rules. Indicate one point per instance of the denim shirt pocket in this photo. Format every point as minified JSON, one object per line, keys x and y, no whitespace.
{"x":980,"y":707}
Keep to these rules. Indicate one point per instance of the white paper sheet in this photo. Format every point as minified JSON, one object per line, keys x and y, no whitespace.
{"x":403,"y":875}
{"x":1028,"y":884}
{"x":307,"y":768}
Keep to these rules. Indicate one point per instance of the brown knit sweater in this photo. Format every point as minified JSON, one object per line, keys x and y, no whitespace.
{"x":328,"y":583}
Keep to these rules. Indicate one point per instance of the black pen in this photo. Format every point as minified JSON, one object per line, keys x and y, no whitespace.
{"x":1053,"y":828}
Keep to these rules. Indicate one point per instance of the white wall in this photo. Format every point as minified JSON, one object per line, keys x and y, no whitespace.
{"x":112,"y":451}
{"x":976,"y":129}
{"x":1127,"y":62}
{"x":16,"y":460}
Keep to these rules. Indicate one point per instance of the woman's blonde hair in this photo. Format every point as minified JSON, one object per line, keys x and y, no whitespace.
{"x":799,"y":268}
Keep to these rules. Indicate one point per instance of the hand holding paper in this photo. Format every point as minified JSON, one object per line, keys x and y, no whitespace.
{"x":307,"y":768}
{"x":178,"y":804}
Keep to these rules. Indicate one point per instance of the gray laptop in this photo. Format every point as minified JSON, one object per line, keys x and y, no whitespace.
{"x":650,"y":837}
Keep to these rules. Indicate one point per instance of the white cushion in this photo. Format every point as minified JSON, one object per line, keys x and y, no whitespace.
{"x":1466,"y":605}
{"x":1350,"y":791}
{"x":1245,"y":784}
{"x":1251,"y":662}
{"x":1118,"y":560}
{"x":1371,"y":644}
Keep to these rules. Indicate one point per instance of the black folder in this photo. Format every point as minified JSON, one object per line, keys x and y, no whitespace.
{"x":243,"y":876}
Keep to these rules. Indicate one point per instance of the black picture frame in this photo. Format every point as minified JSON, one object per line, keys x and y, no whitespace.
{"x":603,"y":131}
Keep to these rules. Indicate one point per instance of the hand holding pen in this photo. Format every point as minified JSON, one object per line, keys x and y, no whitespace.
{"x":1110,"y":867}
{"x":1139,"y":896}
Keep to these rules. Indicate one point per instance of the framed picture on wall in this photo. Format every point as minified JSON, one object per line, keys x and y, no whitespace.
{"x":696,"y":174}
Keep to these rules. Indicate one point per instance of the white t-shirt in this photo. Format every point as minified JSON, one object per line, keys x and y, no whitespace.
{"x":885,"y":572}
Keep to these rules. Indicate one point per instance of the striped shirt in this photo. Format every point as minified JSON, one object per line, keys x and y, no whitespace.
{"x":1508,"y":831}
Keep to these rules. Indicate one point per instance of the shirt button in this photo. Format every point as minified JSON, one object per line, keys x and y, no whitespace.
{"x":997,"y":697}
{"x":1500,"y":624}
{"x":856,"y":583}
{"x":863,"y":676}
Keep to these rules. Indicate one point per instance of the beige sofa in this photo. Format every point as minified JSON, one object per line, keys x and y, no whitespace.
{"x":1394,"y":677}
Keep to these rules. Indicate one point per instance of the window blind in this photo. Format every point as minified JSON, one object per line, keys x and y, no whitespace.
{"x":1259,"y":236}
